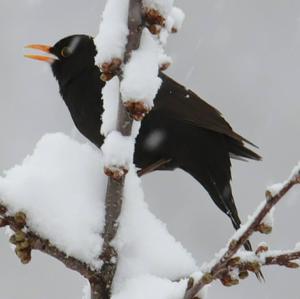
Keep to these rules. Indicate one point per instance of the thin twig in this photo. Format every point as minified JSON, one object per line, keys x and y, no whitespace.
{"x":283,"y":259}
{"x":43,"y":245}
{"x":253,"y":261}
{"x":235,"y":244}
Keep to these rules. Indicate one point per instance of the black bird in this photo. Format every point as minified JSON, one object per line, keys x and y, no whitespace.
{"x":182,"y":130}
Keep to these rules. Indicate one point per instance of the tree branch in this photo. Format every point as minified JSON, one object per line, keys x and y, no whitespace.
{"x":114,"y":192}
{"x":283,"y":259}
{"x":220,"y":266}
{"x":36,"y":242}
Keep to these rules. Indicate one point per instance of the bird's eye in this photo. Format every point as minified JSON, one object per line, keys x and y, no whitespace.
{"x":65,"y":52}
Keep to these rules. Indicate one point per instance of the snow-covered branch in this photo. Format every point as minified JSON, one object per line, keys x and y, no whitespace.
{"x":61,"y":190}
{"x":26,"y":240}
{"x":118,"y":147}
{"x":282,"y":258}
{"x":231,"y":265}
{"x":124,"y":45}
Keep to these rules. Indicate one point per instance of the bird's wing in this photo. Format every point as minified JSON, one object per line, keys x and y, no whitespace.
{"x":174,"y":100}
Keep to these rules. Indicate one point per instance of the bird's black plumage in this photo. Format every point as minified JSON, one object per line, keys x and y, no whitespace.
{"x":182,"y":128}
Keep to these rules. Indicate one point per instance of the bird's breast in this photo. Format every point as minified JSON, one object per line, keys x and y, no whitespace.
{"x":83,"y":99}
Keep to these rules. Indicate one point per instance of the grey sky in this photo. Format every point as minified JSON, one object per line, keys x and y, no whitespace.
{"x":242,"y":56}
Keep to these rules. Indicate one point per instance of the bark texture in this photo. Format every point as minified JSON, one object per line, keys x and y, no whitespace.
{"x":101,"y":285}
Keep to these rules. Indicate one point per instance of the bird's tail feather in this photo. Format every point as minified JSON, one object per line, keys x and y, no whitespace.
{"x":238,"y":150}
{"x":226,"y":203}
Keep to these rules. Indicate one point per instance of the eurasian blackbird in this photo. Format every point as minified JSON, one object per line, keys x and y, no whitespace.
{"x":181,"y":131}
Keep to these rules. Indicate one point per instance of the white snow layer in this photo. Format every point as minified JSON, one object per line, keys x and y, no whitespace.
{"x":269,"y":218}
{"x":110,"y":97}
{"x":141,"y":81}
{"x":118,"y":149}
{"x":276,"y":188}
{"x":139,"y":255}
{"x":163,"y":58}
{"x":175,"y":19}
{"x":86,"y":291}
{"x":149,"y":287}
{"x":112,"y":37}
{"x":61,"y":188}
{"x":163,"y":6}
{"x":295,"y":171}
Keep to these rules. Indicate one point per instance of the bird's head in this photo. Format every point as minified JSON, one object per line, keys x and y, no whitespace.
{"x":68,"y":57}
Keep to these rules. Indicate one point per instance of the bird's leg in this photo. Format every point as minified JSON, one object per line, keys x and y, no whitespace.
{"x":153,"y":167}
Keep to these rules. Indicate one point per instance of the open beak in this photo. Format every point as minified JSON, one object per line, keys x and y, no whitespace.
{"x":43,"y":48}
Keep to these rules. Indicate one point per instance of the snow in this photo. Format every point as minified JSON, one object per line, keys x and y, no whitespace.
{"x":269,"y":218}
{"x":297,"y":246}
{"x":274,"y":253}
{"x":262,"y":244}
{"x":163,"y":36}
{"x":295,"y":171}
{"x":197,"y":276}
{"x":247,"y":256}
{"x":118,"y":150}
{"x":207,"y":266}
{"x":275,"y":189}
{"x":149,"y":287}
{"x":110,"y":97}
{"x":163,"y":6}
{"x":135,"y":128}
{"x":112,"y":37}
{"x":163,"y":58}
{"x":86,"y":291}
{"x":175,"y":19}
{"x":61,"y":188}
{"x":141,"y":81}
{"x":138,"y":250}
{"x":48,"y":188}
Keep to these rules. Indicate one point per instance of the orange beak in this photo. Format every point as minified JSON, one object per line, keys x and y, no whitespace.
{"x":43,"y":48}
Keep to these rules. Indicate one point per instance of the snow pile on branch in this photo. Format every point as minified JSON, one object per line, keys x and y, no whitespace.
{"x":163,"y":6}
{"x":163,"y":13}
{"x":295,"y":172}
{"x":110,"y":97}
{"x":140,"y":74}
{"x":149,"y":287}
{"x":175,"y":19}
{"x":137,"y":250}
{"x":274,"y":189}
{"x":141,"y":82}
{"x":113,"y":31}
{"x":58,"y":188}
{"x":118,"y":150}
{"x":61,"y":190}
